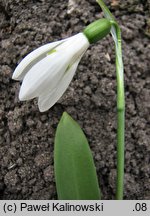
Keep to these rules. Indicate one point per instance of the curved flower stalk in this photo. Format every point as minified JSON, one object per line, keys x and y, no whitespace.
{"x":47,"y":71}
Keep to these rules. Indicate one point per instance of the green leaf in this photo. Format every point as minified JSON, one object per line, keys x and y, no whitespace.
{"x":75,"y":171}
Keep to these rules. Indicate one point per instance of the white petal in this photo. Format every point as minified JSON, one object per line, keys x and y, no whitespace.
{"x":49,"y":98}
{"x":32,"y":58}
{"x":74,"y":47}
{"x":45,"y":74}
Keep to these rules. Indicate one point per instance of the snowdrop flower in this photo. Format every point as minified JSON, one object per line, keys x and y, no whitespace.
{"x":47,"y":71}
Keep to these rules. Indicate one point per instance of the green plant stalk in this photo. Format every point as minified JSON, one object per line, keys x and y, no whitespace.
{"x":116,"y":33}
{"x":120,"y":118}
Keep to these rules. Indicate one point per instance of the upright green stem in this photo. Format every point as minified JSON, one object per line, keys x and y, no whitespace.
{"x":116,"y":33}
{"x":120,"y":155}
{"x":120,"y":115}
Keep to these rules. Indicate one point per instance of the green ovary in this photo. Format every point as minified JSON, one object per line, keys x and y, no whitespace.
{"x":97,"y":30}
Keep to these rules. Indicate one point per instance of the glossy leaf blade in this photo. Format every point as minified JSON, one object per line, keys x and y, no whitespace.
{"x":75,"y":171}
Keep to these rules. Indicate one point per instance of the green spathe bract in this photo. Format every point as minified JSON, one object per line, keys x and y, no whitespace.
{"x":97,"y":30}
{"x":75,"y":171}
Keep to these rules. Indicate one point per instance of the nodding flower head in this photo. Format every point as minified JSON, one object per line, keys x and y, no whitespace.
{"x":47,"y":71}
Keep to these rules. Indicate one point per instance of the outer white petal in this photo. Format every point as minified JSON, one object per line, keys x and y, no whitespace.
{"x":45,"y":74}
{"x":32,"y":58}
{"x":49,"y":98}
{"x":74,"y":47}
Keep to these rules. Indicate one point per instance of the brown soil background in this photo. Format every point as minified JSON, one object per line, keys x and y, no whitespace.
{"x":27,"y":136}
